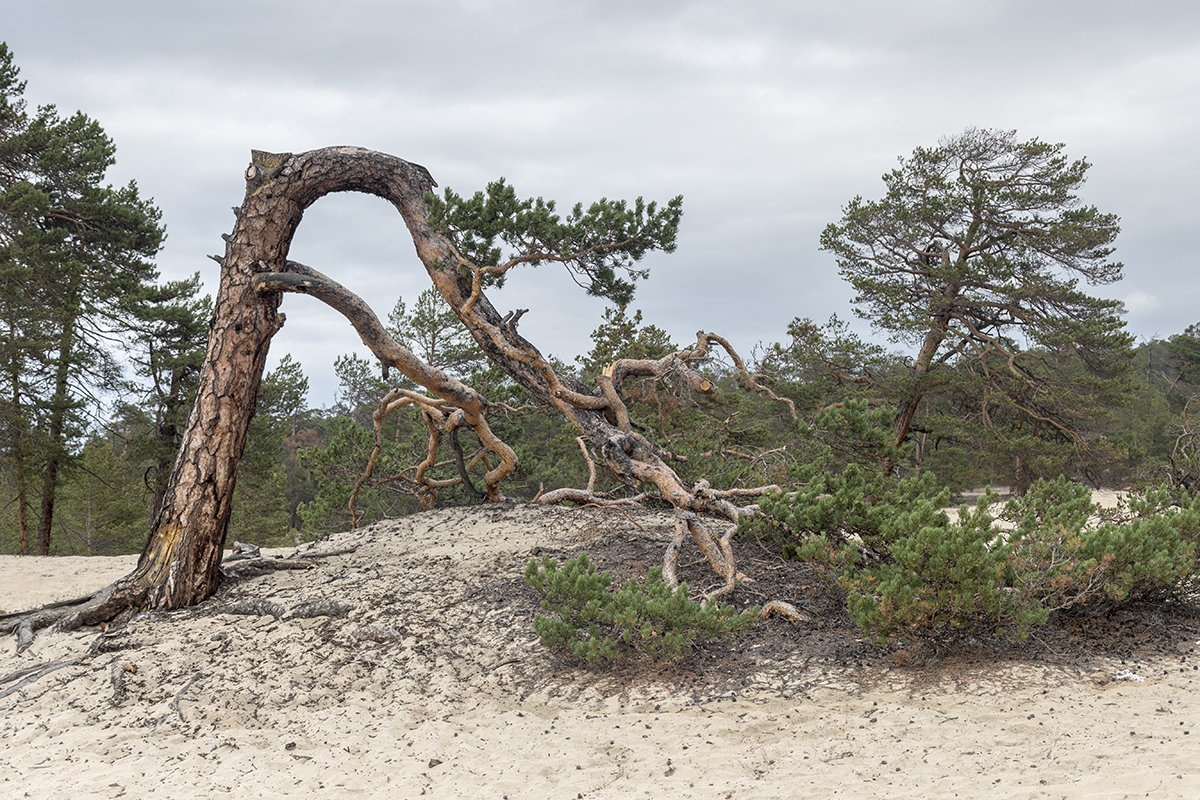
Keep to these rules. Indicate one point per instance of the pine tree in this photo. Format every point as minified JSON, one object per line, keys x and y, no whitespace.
{"x":167,"y":348}
{"x":77,"y":251}
{"x":974,"y":256}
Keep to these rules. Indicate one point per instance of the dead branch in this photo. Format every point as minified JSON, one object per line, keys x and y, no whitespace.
{"x":461,"y":465}
{"x":591,"y":484}
{"x":469,"y":406}
{"x":757,"y":491}
{"x":174,"y":704}
{"x":31,"y":674}
{"x":440,"y":418}
{"x":36,"y":673}
{"x":253,"y":607}
{"x":250,"y":567}
{"x":778,"y":608}
{"x":310,"y":552}
{"x":57,"y":604}
{"x":585,"y":497}
{"x":680,"y":362}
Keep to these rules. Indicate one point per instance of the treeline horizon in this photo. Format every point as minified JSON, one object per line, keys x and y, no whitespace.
{"x":302,"y":463}
{"x":974,"y":263}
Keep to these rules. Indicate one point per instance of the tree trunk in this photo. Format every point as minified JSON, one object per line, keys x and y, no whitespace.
{"x":49,"y":485}
{"x":18,"y":468}
{"x":23,"y":516}
{"x":60,"y":401}
{"x":909,"y":405}
{"x":18,"y":463}
{"x":180,"y":564}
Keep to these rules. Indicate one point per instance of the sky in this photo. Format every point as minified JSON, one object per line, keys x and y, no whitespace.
{"x":766,"y":116}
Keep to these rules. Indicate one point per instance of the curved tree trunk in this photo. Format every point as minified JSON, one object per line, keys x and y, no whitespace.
{"x":181,"y":562}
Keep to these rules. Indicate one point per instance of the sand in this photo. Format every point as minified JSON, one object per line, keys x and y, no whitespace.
{"x":428,"y":681}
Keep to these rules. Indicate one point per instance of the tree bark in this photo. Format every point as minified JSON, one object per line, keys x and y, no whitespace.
{"x":180,"y":564}
{"x":56,"y":433}
{"x":907,"y":410}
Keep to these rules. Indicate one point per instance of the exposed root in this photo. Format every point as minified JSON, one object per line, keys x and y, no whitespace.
{"x":31,"y":674}
{"x":25,"y":624}
{"x":585,"y":497}
{"x":116,"y":603}
{"x":779,"y":608}
{"x":263,"y":565}
{"x":313,"y":552}
{"x":24,"y":636}
{"x":174,"y":704}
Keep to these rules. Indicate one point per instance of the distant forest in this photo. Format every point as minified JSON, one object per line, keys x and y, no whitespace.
{"x":1002,"y":371}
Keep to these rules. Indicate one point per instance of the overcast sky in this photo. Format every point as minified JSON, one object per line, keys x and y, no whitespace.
{"x":766,"y":116}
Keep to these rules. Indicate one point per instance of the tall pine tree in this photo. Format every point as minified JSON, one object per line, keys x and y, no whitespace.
{"x":974,"y":256}
{"x":76,"y":254}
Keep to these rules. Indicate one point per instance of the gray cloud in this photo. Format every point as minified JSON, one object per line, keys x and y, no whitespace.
{"x":767,"y":117}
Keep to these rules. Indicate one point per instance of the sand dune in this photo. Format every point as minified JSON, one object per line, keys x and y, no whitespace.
{"x":428,"y":680}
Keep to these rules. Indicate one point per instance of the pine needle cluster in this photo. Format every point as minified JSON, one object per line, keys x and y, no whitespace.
{"x":907,"y":568}
{"x":598,"y":626}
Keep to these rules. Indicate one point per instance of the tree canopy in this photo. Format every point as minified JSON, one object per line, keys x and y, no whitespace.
{"x":75,"y":254}
{"x":975,"y":253}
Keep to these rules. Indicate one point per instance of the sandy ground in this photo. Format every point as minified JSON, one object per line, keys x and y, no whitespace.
{"x":427,"y":680}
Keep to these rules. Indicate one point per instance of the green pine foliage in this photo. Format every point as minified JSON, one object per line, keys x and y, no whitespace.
{"x":937,"y":580}
{"x":337,"y":463}
{"x":908,"y":569}
{"x":1075,"y":556}
{"x":598,"y":626}
{"x":270,"y":483}
{"x":976,"y":257}
{"x":622,"y":336}
{"x":599,"y":245}
{"x":105,"y":508}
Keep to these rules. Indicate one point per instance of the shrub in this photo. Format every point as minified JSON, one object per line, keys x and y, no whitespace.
{"x":599,"y":626}
{"x":908,"y":569}
{"x":1070,"y":558}
{"x":944,"y":579}
{"x":857,"y":506}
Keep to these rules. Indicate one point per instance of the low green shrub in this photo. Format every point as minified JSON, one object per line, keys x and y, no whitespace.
{"x":907,"y":569}
{"x":598,"y":626}
{"x":1072,"y":555}
{"x":946,"y":579}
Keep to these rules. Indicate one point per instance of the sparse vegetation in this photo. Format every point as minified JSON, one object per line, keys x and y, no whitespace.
{"x":598,"y":626}
{"x":976,"y":255}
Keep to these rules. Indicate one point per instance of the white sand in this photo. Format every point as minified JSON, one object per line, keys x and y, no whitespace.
{"x":462,"y":701}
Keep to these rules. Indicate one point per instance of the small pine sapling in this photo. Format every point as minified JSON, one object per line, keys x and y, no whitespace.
{"x":598,"y":626}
